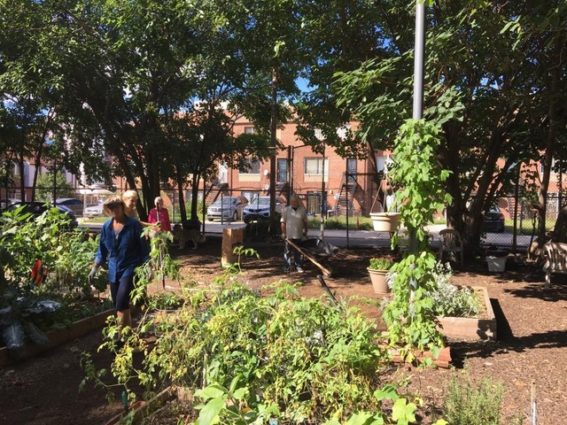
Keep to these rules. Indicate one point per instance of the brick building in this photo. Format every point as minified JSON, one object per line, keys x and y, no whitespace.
{"x":303,"y":171}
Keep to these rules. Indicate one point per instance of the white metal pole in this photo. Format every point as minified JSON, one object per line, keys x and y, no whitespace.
{"x":418,"y":59}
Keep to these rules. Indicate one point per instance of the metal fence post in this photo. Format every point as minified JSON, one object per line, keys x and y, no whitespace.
{"x":347,"y":213}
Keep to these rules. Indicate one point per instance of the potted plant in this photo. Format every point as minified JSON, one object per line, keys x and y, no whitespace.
{"x":385,"y":221}
{"x":379,"y":270}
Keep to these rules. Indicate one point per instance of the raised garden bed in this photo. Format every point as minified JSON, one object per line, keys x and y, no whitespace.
{"x":478,"y":328}
{"x":56,"y":337}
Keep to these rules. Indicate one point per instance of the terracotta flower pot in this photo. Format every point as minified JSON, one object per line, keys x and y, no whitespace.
{"x":385,"y":222}
{"x":379,"y":279}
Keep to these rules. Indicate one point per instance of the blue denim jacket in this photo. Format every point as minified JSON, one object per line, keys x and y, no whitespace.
{"x":124,"y":253}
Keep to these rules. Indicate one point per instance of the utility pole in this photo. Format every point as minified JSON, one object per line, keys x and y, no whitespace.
{"x":418,"y":60}
{"x":419,"y":48}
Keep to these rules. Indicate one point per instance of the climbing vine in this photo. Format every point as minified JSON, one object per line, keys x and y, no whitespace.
{"x":419,"y":181}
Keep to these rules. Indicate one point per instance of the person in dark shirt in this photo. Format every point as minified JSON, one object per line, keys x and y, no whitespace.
{"x":123,"y":248}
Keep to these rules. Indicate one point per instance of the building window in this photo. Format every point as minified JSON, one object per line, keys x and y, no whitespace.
{"x":249,"y":130}
{"x":250,"y":166}
{"x":314,"y":166}
{"x":281,"y":175}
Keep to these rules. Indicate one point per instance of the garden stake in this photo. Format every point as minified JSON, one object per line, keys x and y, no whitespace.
{"x":533,"y":404}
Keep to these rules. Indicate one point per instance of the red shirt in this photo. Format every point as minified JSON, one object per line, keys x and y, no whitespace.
{"x":161,"y":216}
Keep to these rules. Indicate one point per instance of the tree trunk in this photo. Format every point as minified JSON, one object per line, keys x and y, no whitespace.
{"x":516,"y":198}
{"x":39,"y":152}
{"x":560,"y":229}
{"x":7,"y":178}
{"x":195,"y":196}
{"x":548,"y":155}
{"x":180,"y":197}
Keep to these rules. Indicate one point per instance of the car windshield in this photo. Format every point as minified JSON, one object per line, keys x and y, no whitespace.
{"x":225,"y":202}
{"x":260,"y":201}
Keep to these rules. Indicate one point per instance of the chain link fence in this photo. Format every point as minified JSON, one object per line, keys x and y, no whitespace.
{"x":508,"y":219}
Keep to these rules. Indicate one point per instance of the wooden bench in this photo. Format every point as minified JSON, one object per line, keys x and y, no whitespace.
{"x":555,"y":254}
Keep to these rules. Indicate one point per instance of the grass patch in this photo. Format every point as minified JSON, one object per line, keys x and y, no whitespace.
{"x":339,"y":223}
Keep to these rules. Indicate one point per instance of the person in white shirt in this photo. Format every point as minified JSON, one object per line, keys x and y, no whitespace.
{"x":294,"y":228}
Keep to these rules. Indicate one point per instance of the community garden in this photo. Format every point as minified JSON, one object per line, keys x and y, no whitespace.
{"x":410,"y":333}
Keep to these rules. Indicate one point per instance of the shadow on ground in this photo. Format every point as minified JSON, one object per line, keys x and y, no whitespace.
{"x":557,"y":292}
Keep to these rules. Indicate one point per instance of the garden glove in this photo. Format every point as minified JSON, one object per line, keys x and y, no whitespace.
{"x":92,"y":275}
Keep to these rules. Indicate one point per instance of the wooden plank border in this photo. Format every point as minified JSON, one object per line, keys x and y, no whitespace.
{"x":56,"y":337}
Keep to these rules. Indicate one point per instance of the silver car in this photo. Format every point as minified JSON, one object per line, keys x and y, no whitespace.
{"x":227,"y":208}
{"x":73,"y":204}
{"x":94,"y":210}
{"x":259,"y":209}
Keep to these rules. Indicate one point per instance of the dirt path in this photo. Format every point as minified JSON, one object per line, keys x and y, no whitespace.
{"x":44,"y":390}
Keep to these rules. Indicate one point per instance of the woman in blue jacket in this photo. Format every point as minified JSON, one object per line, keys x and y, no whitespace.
{"x":123,"y":248}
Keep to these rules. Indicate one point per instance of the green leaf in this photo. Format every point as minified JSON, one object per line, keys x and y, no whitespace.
{"x":387,"y":392}
{"x":210,"y":413}
{"x":403,"y":412}
{"x":359,"y":418}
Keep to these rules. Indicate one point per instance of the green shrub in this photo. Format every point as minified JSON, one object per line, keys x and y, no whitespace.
{"x":380,"y":264}
{"x":450,"y":300}
{"x":470,"y":404}
{"x":308,"y":360}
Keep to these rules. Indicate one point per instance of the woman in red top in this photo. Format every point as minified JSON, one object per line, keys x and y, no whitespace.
{"x":160,"y":216}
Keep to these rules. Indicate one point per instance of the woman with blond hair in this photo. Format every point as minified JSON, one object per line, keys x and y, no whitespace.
{"x":130,"y":198}
{"x":121,"y":246}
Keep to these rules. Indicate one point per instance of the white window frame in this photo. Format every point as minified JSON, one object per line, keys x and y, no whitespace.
{"x":319,"y":171}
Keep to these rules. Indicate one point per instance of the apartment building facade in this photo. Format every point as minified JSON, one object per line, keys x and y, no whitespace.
{"x":311,"y":175}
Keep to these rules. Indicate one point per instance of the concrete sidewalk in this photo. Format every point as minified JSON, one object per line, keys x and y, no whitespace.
{"x":364,"y":238}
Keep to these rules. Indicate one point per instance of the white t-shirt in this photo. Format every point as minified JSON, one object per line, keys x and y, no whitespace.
{"x":294,"y":220}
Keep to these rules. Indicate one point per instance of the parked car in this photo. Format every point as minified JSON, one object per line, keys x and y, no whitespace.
{"x":5,"y":203}
{"x":227,"y":208}
{"x":94,"y":210}
{"x":38,"y":208}
{"x":259,"y":208}
{"x":75,"y":205}
{"x":493,"y":220}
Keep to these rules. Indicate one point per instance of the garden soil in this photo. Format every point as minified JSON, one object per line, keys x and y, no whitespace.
{"x":531,"y":346}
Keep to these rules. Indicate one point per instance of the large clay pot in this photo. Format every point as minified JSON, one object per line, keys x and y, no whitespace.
{"x":386,"y":221}
{"x":379,"y":279}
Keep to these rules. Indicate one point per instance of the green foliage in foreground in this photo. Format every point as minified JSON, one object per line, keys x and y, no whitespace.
{"x":250,"y":358}
{"x":58,"y":292}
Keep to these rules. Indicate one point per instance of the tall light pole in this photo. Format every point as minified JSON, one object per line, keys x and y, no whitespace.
{"x":418,"y":60}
